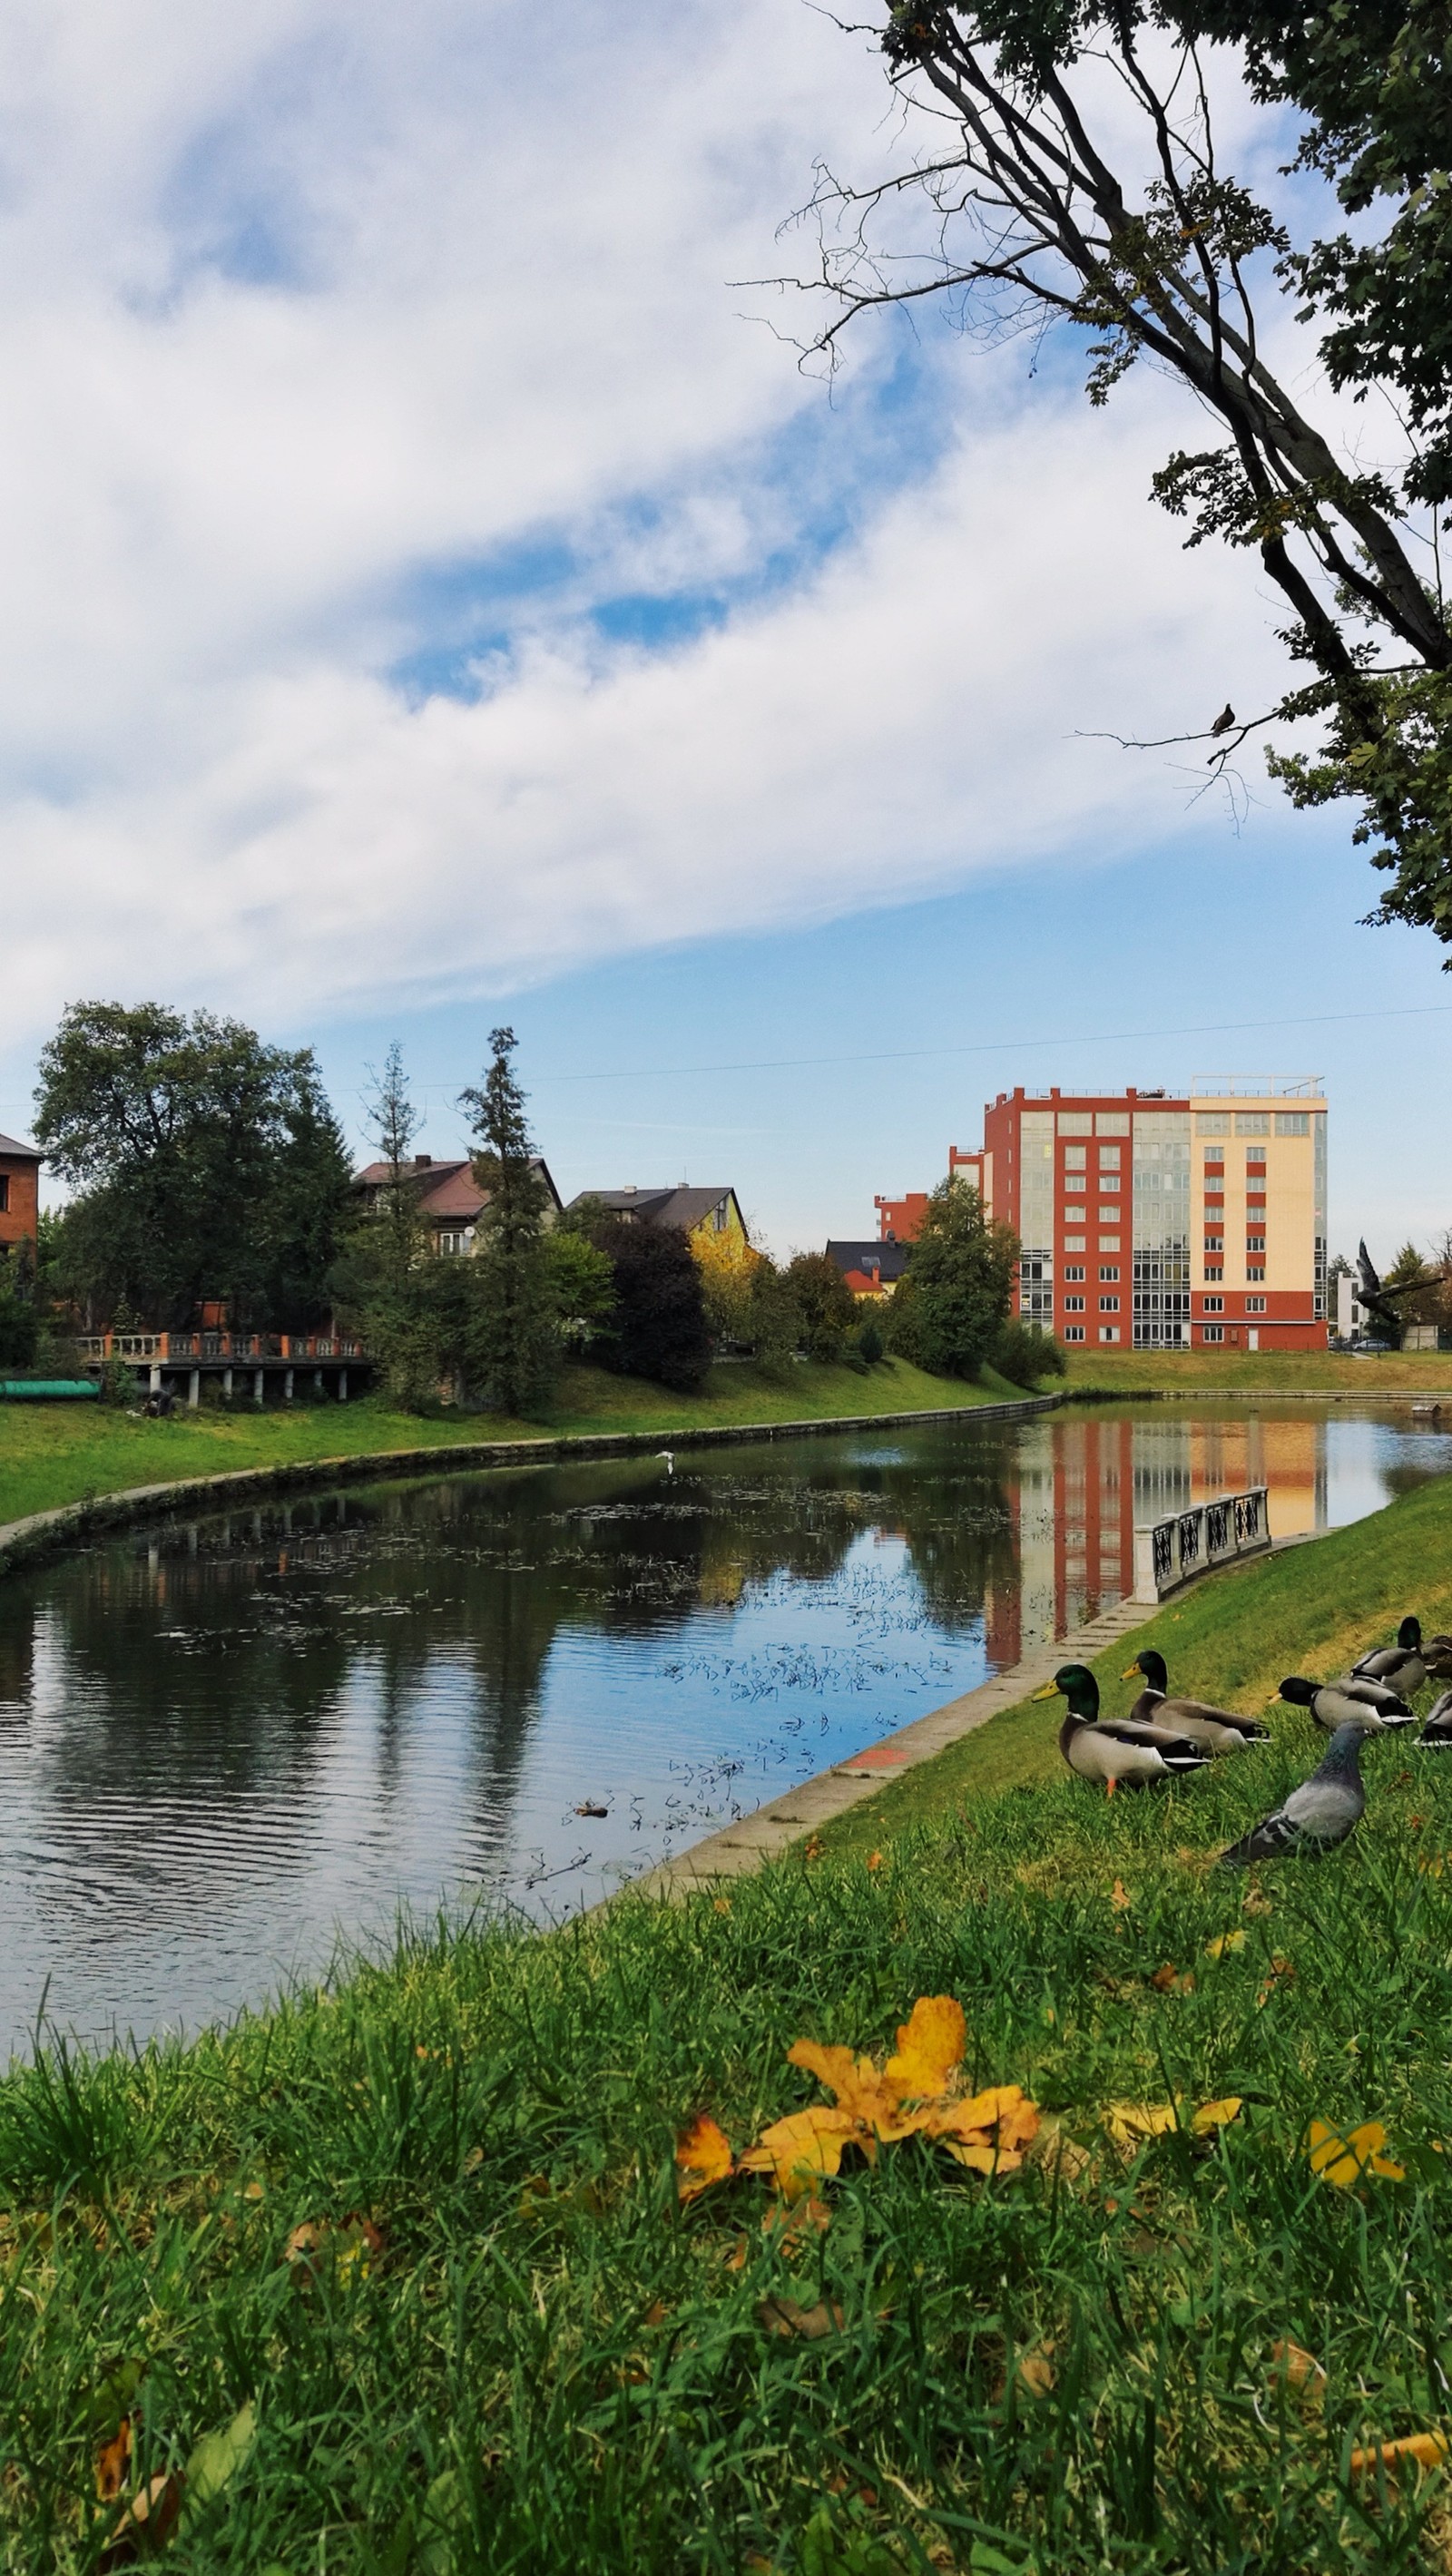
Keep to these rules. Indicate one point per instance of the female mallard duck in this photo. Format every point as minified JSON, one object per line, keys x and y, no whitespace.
{"x":1436,"y":1735}
{"x":1220,"y":1730}
{"x":1400,"y":1667}
{"x":1369,"y":1705}
{"x":1112,"y":1749}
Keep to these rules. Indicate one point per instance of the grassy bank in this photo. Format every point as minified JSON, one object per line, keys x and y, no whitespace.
{"x":502,"y":2345}
{"x":53,"y":1453}
{"x":1309,"y":1372}
{"x":1232,"y":1640}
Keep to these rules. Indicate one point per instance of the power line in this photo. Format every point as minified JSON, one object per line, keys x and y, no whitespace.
{"x":994,"y":1046}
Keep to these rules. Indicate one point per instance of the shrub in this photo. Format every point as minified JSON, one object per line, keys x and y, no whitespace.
{"x":658,"y":1329}
{"x":1023,"y":1354}
{"x":826,"y":1307}
{"x":870,"y":1342}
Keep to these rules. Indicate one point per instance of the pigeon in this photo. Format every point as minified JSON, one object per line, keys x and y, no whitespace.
{"x":1223,"y":721}
{"x":1436,"y":1735}
{"x":1323,"y":1812}
{"x":1367,"y":1704}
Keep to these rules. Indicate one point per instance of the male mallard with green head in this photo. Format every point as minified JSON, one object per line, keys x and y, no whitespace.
{"x":1112,"y":1749}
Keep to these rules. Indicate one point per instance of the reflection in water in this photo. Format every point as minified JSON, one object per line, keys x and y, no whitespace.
{"x":220,"y":1741}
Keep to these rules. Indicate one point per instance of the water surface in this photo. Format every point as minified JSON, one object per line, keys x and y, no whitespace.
{"x":222,"y":1741}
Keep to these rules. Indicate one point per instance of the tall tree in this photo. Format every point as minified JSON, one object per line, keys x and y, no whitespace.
{"x":515,"y":1343}
{"x":949,"y":1312}
{"x":658,"y":1329}
{"x":206,"y":1164}
{"x":384,"y":1279}
{"x":1066,"y":160}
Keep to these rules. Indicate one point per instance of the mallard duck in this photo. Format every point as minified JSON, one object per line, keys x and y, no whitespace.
{"x":1437,"y":1656}
{"x":1220,"y":1730}
{"x":1112,"y":1749}
{"x":1436,"y":1735}
{"x":1317,"y":1816}
{"x":1399,"y":1667}
{"x":1369,"y":1705}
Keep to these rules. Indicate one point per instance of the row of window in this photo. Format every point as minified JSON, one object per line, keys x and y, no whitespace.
{"x":1108,"y":1272}
{"x":1076,"y":1332}
{"x":1076,"y":1305}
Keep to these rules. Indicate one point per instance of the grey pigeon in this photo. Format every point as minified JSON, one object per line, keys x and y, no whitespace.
{"x":1436,"y":1735}
{"x":1317,"y":1816}
{"x":1223,"y":721}
{"x":1367,"y":1704}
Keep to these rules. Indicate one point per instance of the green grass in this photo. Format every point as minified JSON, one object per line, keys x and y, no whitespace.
{"x":52,"y":1454}
{"x":563,"y":2369}
{"x":1231,"y":1640}
{"x":1312,"y":1372}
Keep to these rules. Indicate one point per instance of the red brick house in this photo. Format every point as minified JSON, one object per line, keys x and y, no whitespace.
{"x":450,"y":1200}
{"x":19,"y":1193}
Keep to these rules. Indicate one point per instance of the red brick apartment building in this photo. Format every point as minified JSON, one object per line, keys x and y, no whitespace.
{"x":19,"y":1192}
{"x":1164,"y":1221}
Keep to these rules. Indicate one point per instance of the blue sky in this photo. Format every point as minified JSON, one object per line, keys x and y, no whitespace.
{"x":435,"y":595}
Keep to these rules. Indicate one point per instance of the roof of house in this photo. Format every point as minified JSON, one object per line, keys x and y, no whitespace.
{"x":681,"y":1206}
{"x":448,"y":1191}
{"x":26,"y":1153}
{"x":889,"y":1260}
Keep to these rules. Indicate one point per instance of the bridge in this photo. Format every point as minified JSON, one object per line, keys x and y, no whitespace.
{"x":162,"y":1360}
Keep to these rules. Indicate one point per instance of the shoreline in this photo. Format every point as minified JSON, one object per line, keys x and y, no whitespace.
{"x":42,"y":1535}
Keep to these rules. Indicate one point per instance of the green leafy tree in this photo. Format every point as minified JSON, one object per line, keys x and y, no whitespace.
{"x":773,"y":1319}
{"x":959,"y":1286}
{"x":514,"y":1341}
{"x":659,"y":1328}
{"x":581,"y":1285}
{"x":825,"y":1306}
{"x":1066,"y":161}
{"x":205,"y":1165}
{"x":384,"y":1280}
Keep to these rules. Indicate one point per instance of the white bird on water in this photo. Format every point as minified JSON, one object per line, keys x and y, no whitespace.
{"x":670,"y":1460}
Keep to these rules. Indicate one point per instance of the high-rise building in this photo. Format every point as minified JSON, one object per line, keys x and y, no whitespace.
{"x":1164,"y":1221}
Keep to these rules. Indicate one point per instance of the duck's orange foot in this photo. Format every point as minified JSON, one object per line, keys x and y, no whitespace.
{"x":1109,"y":1788}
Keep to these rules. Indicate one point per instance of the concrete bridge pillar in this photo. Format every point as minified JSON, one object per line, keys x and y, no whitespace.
{"x":317,"y":1381}
{"x":287,"y":1386}
{"x":226,"y":1382}
{"x":155,"y":1378}
{"x":257,"y":1386}
{"x":342,"y":1386}
{"x":194,"y":1389}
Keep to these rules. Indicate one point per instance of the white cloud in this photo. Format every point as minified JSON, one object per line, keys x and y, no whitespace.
{"x":302,"y":306}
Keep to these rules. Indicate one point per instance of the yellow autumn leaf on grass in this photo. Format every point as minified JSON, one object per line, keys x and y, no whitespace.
{"x":703,"y":2156}
{"x":1300,"y":2370}
{"x":854,"y":2083}
{"x":1130,"y":2123}
{"x":800,"y":2150}
{"x":930,"y":2047}
{"x":1427,"y":2450}
{"x":1223,"y":1942}
{"x":1344,"y":2156}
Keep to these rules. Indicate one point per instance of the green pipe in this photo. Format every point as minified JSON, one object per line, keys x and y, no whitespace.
{"x":48,"y":1386}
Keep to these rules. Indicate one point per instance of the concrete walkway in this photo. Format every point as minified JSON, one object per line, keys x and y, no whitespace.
{"x":765,"y":1835}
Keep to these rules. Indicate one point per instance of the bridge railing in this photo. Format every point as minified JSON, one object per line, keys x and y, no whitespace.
{"x":1174,"y":1550}
{"x":176,"y":1349}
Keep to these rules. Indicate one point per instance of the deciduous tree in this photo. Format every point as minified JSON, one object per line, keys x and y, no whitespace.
{"x":959,"y":1287}
{"x":1067,"y":164}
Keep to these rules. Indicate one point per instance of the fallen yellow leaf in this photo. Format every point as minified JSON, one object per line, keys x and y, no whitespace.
{"x":113,"y":2459}
{"x":1344,"y":2156}
{"x":703,"y":2156}
{"x":930,"y":2045}
{"x":1222,"y":1942}
{"x":1216,"y":2115}
{"x":1036,"y":2370}
{"x":800,"y":2150}
{"x":1120,"y":1897}
{"x":785,"y":2317}
{"x":1428,"y":2450}
{"x":1300,"y":2369}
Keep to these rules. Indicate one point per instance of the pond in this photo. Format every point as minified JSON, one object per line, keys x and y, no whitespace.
{"x":224,"y":1741}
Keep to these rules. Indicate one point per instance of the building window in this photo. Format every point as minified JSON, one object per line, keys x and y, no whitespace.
{"x":1212,"y":1122}
{"x":1212,"y":1332}
{"x":1076,"y":1122}
{"x":1214,"y":1270}
{"x":1073,"y":1332}
{"x":1293,"y":1122}
{"x":1076,"y":1157}
{"x":1252,"y":1122}
{"x":1074,"y":1243}
{"x":1109,"y":1243}
{"x":1075,"y":1184}
{"x":1109,"y":1332}
{"x":1109,"y":1158}
{"x":1214,"y":1243}
{"x":1109,"y":1305}
{"x":1073,"y":1270}
{"x":1109,"y":1272}
{"x":1073,"y":1305}
{"x":1255,"y":1305}
{"x":1214,"y":1305}
{"x":1255,"y":1270}
{"x":4,"y":1192}
{"x":1109,"y":1183}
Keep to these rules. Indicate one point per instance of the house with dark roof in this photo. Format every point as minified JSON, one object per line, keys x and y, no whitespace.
{"x":19,"y":1192}
{"x":449,"y":1199}
{"x":871,"y":1269}
{"x":703,"y":1215}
